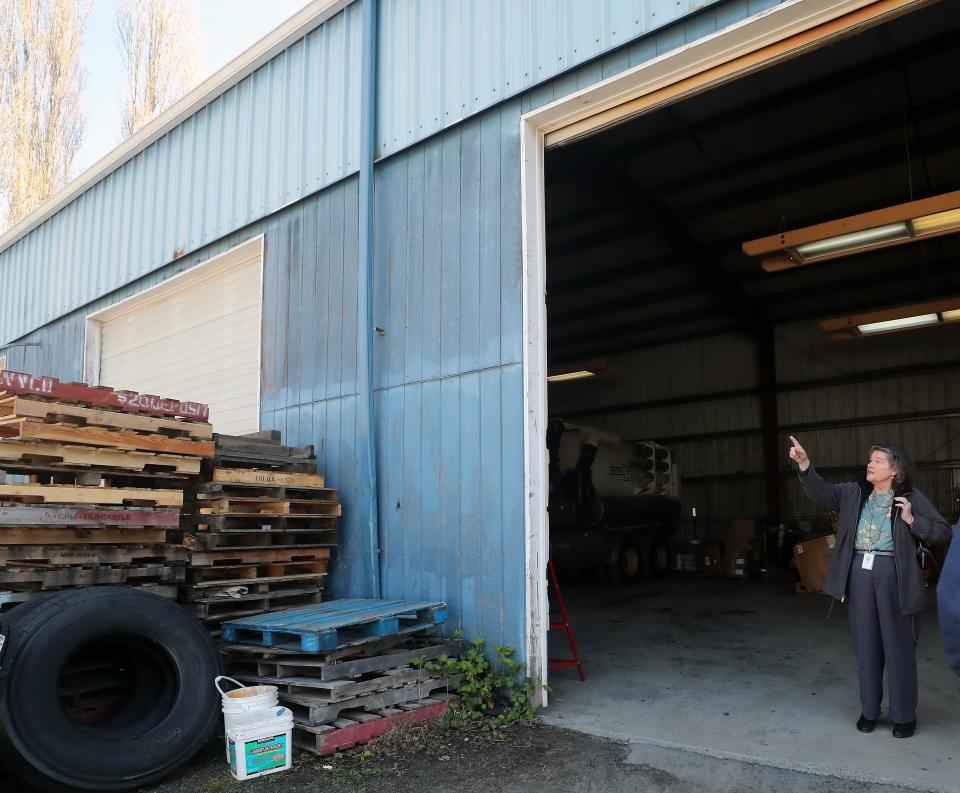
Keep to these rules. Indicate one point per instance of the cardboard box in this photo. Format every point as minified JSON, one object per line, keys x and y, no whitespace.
{"x":709,"y":559}
{"x":736,"y":562}
{"x":812,"y":557}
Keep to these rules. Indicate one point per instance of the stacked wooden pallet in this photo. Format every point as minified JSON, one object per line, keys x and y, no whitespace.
{"x":348,"y":669}
{"x":92,"y":480}
{"x":260,"y":526}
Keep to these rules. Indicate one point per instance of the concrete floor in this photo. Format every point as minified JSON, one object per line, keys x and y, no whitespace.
{"x":746,"y":671}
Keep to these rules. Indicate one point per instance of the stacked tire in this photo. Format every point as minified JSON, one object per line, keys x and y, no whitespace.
{"x":149,"y":665}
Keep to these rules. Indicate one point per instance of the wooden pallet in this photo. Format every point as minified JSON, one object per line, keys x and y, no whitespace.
{"x":355,"y":727}
{"x":254,"y":507}
{"x":248,"y":539}
{"x":205,"y":593}
{"x":32,"y":515}
{"x":106,"y":536}
{"x":10,"y":599}
{"x":17,"y":383}
{"x":90,"y":555}
{"x":59,"y":577}
{"x":50,"y":411}
{"x":315,"y":711}
{"x":328,"y":692}
{"x":282,"y":666}
{"x":234,"y":574}
{"x":337,"y":624}
{"x":263,"y":450}
{"x":32,"y":430}
{"x":250,"y":606}
{"x":48,"y":456}
{"x":248,"y":476}
{"x":211,"y":491}
{"x":257,"y":555}
{"x":71,"y":494}
{"x":245,"y":523}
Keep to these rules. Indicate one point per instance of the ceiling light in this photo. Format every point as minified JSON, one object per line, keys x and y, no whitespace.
{"x":893,"y":319}
{"x":564,"y":377}
{"x":904,"y":323}
{"x":938,"y":222}
{"x":879,"y":228}
{"x":855,"y":240}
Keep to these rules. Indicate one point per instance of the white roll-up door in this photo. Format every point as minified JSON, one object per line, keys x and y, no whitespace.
{"x":194,"y":337}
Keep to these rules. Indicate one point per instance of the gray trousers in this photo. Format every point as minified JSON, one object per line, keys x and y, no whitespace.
{"x":883,"y":638}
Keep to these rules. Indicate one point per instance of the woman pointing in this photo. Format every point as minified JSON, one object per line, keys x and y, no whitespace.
{"x":874,"y":568}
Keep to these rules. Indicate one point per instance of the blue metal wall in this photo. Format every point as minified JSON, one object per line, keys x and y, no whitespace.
{"x":289,"y":129}
{"x":293,"y":127}
{"x":449,"y":396}
{"x":446,"y":60}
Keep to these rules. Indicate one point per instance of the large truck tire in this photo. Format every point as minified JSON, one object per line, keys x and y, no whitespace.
{"x":151,"y":665}
{"x":657,"y":553}
{"x":625,"y":564}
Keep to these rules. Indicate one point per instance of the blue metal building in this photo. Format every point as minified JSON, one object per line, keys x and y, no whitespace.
{"x":417,"y":330}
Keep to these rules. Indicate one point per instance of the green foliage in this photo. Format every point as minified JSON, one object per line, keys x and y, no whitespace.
{"x":488,"y":687}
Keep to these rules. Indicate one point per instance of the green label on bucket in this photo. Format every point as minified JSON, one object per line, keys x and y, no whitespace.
{"x":263,"y":754}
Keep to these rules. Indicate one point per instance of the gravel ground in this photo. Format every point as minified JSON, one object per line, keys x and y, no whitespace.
{"x":527,"y":759}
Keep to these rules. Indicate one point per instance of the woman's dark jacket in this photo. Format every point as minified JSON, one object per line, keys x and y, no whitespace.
{"x":948,"y":600}
{"x":847,"y":500}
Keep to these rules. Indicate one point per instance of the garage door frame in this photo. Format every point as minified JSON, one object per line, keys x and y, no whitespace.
{"x":783,"y":32}
{"x":222,"y":263}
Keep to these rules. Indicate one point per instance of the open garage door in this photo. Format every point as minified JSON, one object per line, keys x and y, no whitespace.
{"x":674,"y":320}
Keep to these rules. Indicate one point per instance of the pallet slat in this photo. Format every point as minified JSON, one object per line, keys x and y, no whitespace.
{"x":72,"y":494}
{"x":27,"y":430}
{"x":34,"y":408}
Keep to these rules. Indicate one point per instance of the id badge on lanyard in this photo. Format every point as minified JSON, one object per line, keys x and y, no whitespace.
{"x":868,"y":561}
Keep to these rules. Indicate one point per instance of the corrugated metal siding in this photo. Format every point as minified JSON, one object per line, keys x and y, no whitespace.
{"x":704,"y":366}
{"x":804,"y":353}
{"x":292,"y":128}
{"x":445,"y":60}
{"x":286,"y":131}
{"x":449,"y":374}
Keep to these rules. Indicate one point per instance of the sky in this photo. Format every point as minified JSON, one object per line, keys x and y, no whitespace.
{"x":229,"y":28}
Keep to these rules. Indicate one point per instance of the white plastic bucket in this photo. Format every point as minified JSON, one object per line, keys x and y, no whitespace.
{"x":262,"y":747}
{"x":246,"y":704}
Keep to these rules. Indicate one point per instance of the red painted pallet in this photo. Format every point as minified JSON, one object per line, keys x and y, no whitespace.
{"x":52,"y":388}
{"x":355,"y":728}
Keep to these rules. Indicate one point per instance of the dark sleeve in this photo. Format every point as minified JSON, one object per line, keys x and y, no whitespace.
{"x":825,"y":494}
{"x":928,"y":524}
{"x":948,"y":601}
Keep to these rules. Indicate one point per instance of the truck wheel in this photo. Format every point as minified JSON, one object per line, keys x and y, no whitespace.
{"x":105,"y":688}
{"x":627,"y":565}
{"x":656,"y":558}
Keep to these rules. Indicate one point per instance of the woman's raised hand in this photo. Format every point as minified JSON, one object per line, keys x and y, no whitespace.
{"x":798,"y":454}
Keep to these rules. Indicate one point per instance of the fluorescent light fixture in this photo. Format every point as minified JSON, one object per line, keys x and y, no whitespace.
{"x":904,"y":323}
{"x":565,"y":377}
{"x":855,"y":240}
{"x":939,"y":222}
{"x":880,"y":228}
{"x":893,"y":319}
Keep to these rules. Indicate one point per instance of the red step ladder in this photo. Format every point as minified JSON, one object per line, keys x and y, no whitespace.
{"x":558,"y":664}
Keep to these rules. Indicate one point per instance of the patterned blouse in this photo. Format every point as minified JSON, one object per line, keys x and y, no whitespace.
{"x":874,"y":532}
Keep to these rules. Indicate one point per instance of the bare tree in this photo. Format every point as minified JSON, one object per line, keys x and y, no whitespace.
{"x":41,"y":92}
{"x":159,"y":44}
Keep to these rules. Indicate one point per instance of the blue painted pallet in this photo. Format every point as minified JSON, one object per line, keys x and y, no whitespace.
{"x":335,"y":624}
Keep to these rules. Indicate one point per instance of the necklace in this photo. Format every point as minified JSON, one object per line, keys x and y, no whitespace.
{"x":878,"y":509}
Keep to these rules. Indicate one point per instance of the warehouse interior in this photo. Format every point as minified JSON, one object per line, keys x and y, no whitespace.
{"x":693,"y":344}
